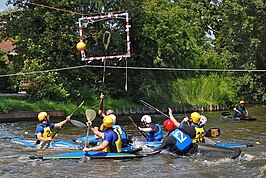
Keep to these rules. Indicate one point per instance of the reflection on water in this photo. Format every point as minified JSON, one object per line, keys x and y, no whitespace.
{"x":15,"y":162}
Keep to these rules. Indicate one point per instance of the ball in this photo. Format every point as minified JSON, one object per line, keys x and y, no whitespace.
{"x":26,"y":133}
{"x":81,"y":46}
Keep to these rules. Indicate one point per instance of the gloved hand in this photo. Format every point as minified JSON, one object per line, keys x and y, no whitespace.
{"x":186,"y":119}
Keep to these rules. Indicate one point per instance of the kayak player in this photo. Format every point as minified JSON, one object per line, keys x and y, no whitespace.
{"x":240,"y":110}
{"x":153,"y":131}
{"x":111,"y":137}
{"x":182,"y":136}
{"x":43,"y":131}
{"x":123,"y":134}
{"x":178,"y":140}
{"x":198,"y":121}
{"x":125,"y":139}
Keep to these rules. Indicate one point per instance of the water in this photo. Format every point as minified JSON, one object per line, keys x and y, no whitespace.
{"x":252,"y":162}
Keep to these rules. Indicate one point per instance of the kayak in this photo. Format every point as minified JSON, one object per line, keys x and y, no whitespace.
{"x":234,"y":145}
{"x":69,"y":145}
{"x":239,"y":118}
{"x":155,"y":144}
{"x":91,"y":155}
{"x":213,"y":151}
{"x":227,"y":115}
{"x":91,"y":139}
{"x":55,"y":145}
{"x":210,"y":151}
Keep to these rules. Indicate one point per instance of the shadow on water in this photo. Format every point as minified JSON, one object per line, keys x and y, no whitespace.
{"x":15,"y":162}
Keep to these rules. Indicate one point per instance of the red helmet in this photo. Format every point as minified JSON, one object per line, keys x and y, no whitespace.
{"x":169,"y":125}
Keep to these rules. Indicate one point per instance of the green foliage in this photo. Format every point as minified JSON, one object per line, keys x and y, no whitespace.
{"x":207,"y":90}
{"x":163,"y":34}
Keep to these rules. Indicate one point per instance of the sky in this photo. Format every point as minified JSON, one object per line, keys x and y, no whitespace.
{"x":3,"y":6}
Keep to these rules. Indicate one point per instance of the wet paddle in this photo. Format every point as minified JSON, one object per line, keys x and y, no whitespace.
{"x":90,"y":115}
{"x":138,"y":127}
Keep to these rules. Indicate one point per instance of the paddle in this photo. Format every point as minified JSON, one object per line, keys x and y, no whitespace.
{"x":225,"y":113}
{"x":138,"y":127}
{"x":90,"y":115}
{"x":152,"y":107}
{"x":46,"y":144}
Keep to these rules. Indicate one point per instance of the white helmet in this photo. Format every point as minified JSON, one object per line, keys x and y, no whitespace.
{"x":114,"y":118}
{"x":146,"y":118}
{"x":203,"y":121}
{"x":110,"y":111}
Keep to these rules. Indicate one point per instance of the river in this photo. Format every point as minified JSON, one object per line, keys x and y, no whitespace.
{"x":15,"y":162}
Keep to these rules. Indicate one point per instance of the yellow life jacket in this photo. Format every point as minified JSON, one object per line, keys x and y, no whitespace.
{"x":101,"y":127}
{"x":199,"y":135}
{"x":114,"y":147}
{"x":47,"y":132}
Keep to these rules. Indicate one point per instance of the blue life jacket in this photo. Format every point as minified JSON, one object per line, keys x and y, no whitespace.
{"x":122,"y":132}
{"x":157,"y":136}
{"x":183,"y":141}
{"x":241,"y":109}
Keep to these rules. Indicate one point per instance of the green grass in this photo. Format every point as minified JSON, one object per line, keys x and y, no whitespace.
{"x":9,"y":104}
{"x":203,"y":91}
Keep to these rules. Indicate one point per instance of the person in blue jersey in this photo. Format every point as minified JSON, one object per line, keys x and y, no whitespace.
{"x":43,"y":131}
{"x":111,"y":138}
{"x":153,"y":131}
{"x":125,"y":139}
{"x":177,"y":141}
{"x":240,"y":110}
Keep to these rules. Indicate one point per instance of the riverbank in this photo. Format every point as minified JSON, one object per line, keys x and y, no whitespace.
{"x":32,"y":115}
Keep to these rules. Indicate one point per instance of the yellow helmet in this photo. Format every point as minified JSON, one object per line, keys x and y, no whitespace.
{"x":195,"y":116}
{"x":108,"y":121}
{"x":242,"y":102}
{"x":42,"y":115}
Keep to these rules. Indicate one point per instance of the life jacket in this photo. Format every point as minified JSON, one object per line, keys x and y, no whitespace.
{"x":241,"y":109}
{"x":183,"y":141}
{"x":113,"y":147}
{"x":199,"y":138}
{"x":156,"y":136}
{"x":200,"y":132}
{"x":47,"y":133}
{"x":122,"y":132}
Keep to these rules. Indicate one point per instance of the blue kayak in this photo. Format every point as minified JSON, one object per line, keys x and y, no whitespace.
{"x":91,"y":139}
{"x":155,"y":144}
{"x":69,"y":145}
{"x":56,"y":145}
{"x":90,"y":154}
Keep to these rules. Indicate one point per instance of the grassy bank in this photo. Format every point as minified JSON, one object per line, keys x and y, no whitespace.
{"x":9,"y":104}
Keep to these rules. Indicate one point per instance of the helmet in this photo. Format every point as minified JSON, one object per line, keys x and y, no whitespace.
{"x":42,"y":116}
{"x":110,"y":112}
{"x":146,"y":118}
{"x":114,"y":118}
{"x":195,"y":116}
{"x":203,"y":120}
{"x":108,"y":121}
{"x":242,"y":102}
{"x":169,"y":125}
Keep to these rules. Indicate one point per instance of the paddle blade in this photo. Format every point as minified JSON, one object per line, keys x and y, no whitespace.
{"x":90,"y":114}
{"x":213,"y":132}
{"x":226,"y":113}
{"x":78,"y":123}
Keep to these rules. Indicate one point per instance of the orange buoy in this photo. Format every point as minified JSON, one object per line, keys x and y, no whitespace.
{"x":81,"y":46}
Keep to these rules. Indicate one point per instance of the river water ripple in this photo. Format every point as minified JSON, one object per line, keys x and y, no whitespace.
{"x":15,"y":162}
